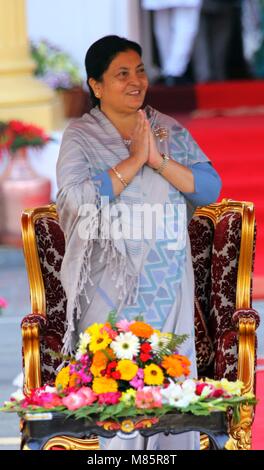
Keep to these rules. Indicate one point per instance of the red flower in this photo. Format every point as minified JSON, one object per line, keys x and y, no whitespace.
{"x":17,"y":134}
{"x":110,"y":371}
{"x":145,"y":348}
{"x":144,"y":357}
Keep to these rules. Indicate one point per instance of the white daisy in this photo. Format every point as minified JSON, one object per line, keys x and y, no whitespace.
{"x":83,"y":343}
{"x":126,"y":345}
{"x":159,"y":340}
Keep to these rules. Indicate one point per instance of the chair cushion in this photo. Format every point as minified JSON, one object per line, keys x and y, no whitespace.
{"x":203,"y":342}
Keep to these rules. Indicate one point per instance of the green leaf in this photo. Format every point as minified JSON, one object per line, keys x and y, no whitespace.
{"x":112,"y":318}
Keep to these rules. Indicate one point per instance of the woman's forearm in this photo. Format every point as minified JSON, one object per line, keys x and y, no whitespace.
{"x":128,"y":168}
{"x":179,"y":176}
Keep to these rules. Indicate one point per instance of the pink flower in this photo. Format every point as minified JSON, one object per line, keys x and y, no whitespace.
{"x":148,"y":397}
{"x":111,"y":333}
{"x":138,"y":381}
{"x":3,"y":303}
{"x":50,"y":400}
{"x":88,"y":394}
{"x":110,"y":398}
{"x":74,"y":401}
{"x":123,"y":325}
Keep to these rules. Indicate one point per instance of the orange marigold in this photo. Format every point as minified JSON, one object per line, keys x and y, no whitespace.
{"x":141,"y":329}
{"x":176,"y":365}
{"x":100,"y":361}
{"x":73,"y":380}
{"x":104,"y":385}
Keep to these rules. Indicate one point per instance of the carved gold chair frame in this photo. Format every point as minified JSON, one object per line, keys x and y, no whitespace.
{"x":240,"y":433}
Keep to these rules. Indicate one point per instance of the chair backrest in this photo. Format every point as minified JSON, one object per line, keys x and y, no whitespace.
{"x":222,"y":239}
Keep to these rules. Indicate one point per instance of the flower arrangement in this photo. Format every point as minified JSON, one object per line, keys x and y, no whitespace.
{"x":3,"y":304}
{"x":55,"y":67}
{"x":17,"y":134}
{"x":125,"y":369}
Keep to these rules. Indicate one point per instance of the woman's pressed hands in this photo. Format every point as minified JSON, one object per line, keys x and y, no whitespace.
{"x":139,"y":147}
{"x":155,"y":158}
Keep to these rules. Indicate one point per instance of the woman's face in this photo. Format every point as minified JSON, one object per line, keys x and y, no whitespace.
{"x":124,"y":84}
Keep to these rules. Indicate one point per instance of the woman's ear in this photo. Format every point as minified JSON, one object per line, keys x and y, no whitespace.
{"x":95,"y":87}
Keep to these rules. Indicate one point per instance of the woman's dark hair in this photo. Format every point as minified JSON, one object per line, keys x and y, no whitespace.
{"x":100,"y":55}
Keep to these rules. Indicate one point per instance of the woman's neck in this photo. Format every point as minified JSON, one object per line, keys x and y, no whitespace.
{"x":124,"y":123}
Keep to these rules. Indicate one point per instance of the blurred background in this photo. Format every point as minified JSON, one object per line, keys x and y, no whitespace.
{"x":205,"y":62}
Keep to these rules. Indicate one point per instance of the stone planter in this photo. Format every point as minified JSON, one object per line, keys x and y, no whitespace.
{"x":20,"y":188}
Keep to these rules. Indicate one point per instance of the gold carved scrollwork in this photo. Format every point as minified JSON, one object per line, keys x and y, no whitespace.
{"x":30,"y":337}
{"x":71,"y":443}
{"x":240,"y":433}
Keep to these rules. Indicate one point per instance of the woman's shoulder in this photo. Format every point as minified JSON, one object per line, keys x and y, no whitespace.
{"x":160,"y":119}
{"x":78,"y":126}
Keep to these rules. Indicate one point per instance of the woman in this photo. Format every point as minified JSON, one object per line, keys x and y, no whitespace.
{"x":111,"y":154}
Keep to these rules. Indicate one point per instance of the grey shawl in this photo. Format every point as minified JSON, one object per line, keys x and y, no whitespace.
{"x":91,"y":145}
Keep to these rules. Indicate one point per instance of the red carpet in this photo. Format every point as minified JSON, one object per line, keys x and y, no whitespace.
{"x":258,"y":426}
{"x":235,"y":144}
{"x":232,"y":94}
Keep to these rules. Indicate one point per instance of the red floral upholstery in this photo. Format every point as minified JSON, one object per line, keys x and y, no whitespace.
{"x":203,"y":342}
{"x":51,"y":247}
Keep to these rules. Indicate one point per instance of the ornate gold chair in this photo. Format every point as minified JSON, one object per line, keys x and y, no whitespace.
{"x":223,"y":240}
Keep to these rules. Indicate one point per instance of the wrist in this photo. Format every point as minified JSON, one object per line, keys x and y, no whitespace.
{"x":164,"y":163}
{"x":157,"y":163}
{"x":136,"y":161}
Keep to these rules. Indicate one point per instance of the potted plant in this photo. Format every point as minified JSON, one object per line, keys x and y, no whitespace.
{"x":3,"y":304}
{"x":20,"y":186}
{"x":59,"y":71}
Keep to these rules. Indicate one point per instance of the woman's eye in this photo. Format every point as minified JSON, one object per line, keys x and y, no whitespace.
{"x":122,"y":74}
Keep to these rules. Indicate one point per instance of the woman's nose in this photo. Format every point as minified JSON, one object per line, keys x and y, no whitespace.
{"x":134,"y":78}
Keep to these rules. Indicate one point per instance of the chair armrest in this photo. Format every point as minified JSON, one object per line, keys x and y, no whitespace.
{"x":34,"y":319}
{"x":246,"y":321}
{"x":32,"y":325}
{"x":245,"y":314}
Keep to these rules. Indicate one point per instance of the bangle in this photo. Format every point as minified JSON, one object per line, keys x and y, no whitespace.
{"x":165,"y":160}
{"x":119,"y":176}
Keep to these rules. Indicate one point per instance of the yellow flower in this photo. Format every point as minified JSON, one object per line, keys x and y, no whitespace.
{"x":94,"y":329}
{"x":234,"y":388}
{"x":104,"y":385}
{"x":99,"y":341}
{"x":62,"y":379}
{"x":153,"y":375}
{"x":128,"y":397}
{"x":127,"y":369}
{"x":248,"y":395}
